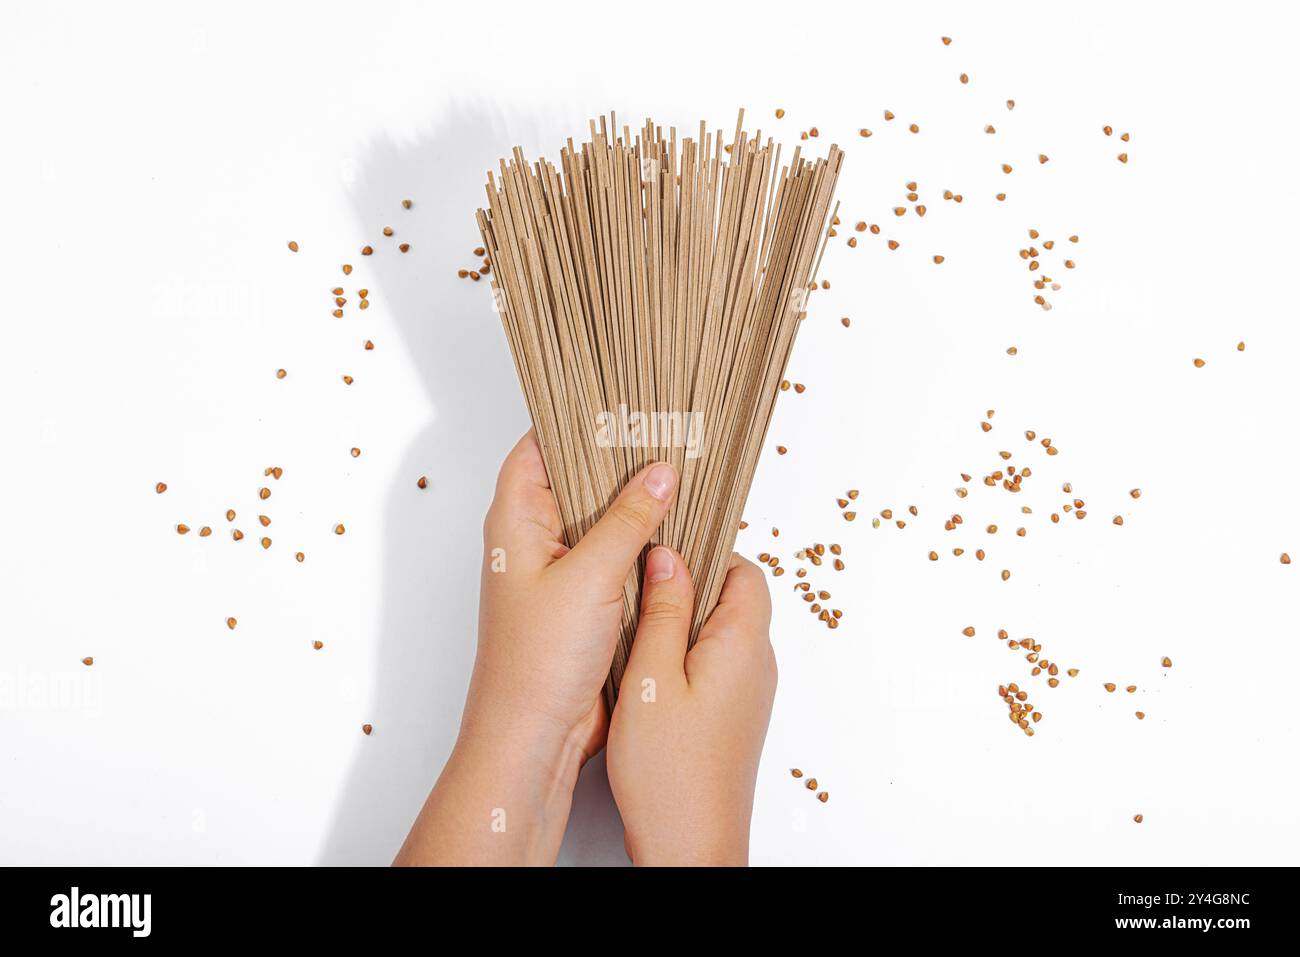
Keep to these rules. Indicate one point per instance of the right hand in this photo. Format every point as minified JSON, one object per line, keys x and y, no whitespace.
{"x":686,"y":736}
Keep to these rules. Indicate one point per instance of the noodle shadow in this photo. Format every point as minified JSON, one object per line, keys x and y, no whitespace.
{"x":432,"y":537}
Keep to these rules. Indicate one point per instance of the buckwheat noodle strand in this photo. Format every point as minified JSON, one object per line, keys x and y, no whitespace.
{"x":660,"y":283}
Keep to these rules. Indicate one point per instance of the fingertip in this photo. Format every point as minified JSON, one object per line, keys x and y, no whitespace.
{"x":660,"y":480}
{"x":660,"y":564}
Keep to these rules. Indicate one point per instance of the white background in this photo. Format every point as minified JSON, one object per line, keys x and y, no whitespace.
{"x":156,"y":162}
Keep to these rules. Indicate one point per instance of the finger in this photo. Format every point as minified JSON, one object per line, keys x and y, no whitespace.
{"x":606,"y":553}
{"x":523,"y":517}
{"x":667,"y":602}
{"x":739,"y":623}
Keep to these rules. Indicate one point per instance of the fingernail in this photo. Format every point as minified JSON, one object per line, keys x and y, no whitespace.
{"x":659,"y":481}
{"x":659,"y":564}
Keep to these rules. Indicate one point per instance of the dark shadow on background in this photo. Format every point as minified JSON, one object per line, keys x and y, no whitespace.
{"x":433,"y":538}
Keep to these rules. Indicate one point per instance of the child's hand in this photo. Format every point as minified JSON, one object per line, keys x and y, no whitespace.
{"x":687,"y":732}
{"x":548,"y":624}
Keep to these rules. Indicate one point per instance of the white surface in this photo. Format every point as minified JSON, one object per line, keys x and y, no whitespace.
{"x":159,"y":160}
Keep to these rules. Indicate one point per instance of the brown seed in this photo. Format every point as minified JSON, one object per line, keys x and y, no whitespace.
{"x":1131,"y":688}
{"x":1042,"y":158}
{"x":388,"y":231}
{"x":1006,"y":167}
{"x":339,"y":529}
{"x":914,"y":128}
{"x":824,"y":796}
{"x":893,"y":244}
{"x":182,"y":529}
{"x":781,"y":450}
{"x":237,"y":535}
{"x":369,"y":345}
{"x":1011,"y":104}
{"x":811,"y":784}
{"x":1135,"y":493}
{"x":1109,"y":686}
{"x":367,"y":250}
{"x":1286,"y":559}
{"x":364,"y":304}
{"x":293,"y":246}
{"x":1137,"y":818}
{"x":964,"y":78}
{"x":231,"y":623}
{"x":280,"y":373}
{"x":968,"y":631}
{"x":347,"y":380}
{"x":299,"y":556}
{"x":1140,"y":714}
{"x":347,"y":269}
{"x":938,"y":259}
{"x":1118,"y":520}
{"x":864,"y":132}
{"x":1053,"y":682}
{"x":404,"y":247}
{"x":1005,"y":574}
{"x":1241,"y":347}
{"x":264,"y":519}
{"x":1124,"y":137}
{"x":888,"y":115}
{"x":850,"y":516}
{"x":366,"y":729}
{"x":318,"y":645}
{"x":1123,"y":157}
{"x":264,"y":493}
{"x":406,"y":204}
{"x":1001,"y":197}
{"x":423,"y":482}
{"x":205,"y":531}
{"x":266,"y":543}
{"x":160,"y":487}
{"x":946,"y":40}
{"x":338,"y":313}
{"x":230,"y":515}
{"x":1199,"y":363}
{"x":356,"y":453}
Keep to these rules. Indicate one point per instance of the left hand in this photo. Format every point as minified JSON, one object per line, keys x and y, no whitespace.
{"x":548,"y":624}
{"x":549,"y":617}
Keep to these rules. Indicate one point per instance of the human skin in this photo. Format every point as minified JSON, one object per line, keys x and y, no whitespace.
{"x":682,"y":766}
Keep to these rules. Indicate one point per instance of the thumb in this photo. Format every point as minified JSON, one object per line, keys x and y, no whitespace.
{"x":667,"y":601}
{"x":605,"y":555}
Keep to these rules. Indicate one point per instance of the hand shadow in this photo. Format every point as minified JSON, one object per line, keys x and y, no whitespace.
{"x":433,"y":538}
